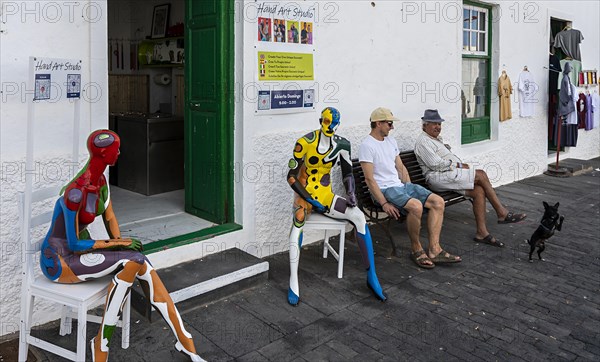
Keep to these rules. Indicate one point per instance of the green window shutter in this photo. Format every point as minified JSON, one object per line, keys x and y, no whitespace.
{"x":476,"y":71}
{"x":475,"y":130}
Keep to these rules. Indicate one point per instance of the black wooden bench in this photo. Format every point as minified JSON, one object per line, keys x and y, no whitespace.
{"x":374,"y":213}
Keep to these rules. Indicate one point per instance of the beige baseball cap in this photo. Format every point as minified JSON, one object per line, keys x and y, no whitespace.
{"x":382,"y":114}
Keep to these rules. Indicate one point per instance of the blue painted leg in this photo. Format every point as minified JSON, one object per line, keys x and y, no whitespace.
{"x":293,"y":299}
{"x":366,"y":247}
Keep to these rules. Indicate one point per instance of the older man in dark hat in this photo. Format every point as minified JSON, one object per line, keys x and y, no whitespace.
{"x":390,"y":186}
{"x":445,"y":171}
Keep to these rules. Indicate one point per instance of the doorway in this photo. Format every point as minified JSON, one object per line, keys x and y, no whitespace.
{"x":173,"y":182}
{"x":556,"y":55}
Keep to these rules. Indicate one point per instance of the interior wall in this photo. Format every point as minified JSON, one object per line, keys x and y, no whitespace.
{"x":130,"y":22}
{"x":68,"y":30}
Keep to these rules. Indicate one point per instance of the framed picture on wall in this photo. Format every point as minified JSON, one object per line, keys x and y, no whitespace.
{"x":160,"y":20}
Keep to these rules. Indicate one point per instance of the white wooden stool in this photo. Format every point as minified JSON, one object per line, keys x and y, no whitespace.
{"x":319,"y":222}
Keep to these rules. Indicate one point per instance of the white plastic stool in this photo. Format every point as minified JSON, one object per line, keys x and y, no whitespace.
{"x":319,"y":222}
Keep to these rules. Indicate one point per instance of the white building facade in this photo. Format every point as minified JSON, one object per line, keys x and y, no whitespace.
{"x":404,"y":55}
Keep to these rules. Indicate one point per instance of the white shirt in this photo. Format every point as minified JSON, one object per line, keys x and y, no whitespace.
{"x":382,"y":154}
{"x":596,"y":110}
{"x":527,"y":91}
{"x":433,"y":155}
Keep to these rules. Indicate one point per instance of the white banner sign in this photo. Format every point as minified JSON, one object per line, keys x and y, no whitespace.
{"x":56,"y":79}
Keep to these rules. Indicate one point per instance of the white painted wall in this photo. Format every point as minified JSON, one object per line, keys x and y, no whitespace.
{"x":369,"y":57}
{"x":50,"y":29}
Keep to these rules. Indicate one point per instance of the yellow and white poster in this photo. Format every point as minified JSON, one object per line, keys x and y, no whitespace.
{"x":285,"y":66}
{"x":285,"y":49}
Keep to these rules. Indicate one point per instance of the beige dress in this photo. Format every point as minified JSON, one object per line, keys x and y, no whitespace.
{"x":504,"y":92}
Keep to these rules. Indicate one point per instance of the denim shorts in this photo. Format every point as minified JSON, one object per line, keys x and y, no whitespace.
{"x":399,"y":196}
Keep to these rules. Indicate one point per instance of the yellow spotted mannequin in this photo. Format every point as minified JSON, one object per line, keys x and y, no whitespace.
{"x":314,"y":156}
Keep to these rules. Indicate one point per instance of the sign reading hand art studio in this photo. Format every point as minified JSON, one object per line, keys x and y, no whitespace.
{"x":55,"y":79}
{"x":285,"y":48}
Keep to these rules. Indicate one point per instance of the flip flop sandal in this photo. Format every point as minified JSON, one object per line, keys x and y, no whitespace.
{"x":442,"y":258}
{"x":511,"y":218}
{"x":421,"y":261}
{"x":490,"y":240}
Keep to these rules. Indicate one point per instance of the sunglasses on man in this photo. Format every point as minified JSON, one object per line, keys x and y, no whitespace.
{"x":389,"y":123}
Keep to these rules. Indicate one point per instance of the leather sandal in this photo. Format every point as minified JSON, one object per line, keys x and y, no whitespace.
{"x":420,"y":260}
{"x":490,"y":240}
{"x":442,"y":258}
{"x":512,"y":217}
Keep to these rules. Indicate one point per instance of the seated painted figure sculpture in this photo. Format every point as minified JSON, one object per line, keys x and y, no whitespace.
{"x":309,"y":176}
{"x":69,"y":255}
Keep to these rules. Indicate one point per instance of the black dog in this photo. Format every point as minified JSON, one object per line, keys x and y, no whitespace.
{"x":551,"y":221}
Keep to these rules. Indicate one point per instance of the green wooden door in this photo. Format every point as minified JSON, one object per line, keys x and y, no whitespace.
{"x":208,"y":110}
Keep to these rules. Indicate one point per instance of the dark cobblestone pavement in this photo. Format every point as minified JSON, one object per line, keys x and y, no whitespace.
{"x":495,"y":305}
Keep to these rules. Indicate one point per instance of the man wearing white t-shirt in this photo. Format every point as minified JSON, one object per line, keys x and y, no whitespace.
{"x":390,"y":186}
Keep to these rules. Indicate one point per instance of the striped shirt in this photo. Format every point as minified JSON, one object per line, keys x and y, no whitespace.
{"x":433,"y":155}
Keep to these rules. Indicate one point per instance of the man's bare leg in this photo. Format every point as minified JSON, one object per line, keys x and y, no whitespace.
{"x":478,"y":196}
{"x":413,"y":225}
{"x":435,"y":217}
{"x":482,"y":180}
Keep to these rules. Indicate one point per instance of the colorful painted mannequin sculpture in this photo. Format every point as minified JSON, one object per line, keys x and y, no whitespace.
{"x":309,"y":176}
{"x":69,"y":255}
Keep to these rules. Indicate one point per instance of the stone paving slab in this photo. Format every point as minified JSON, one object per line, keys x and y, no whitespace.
{"x":495,"y":305}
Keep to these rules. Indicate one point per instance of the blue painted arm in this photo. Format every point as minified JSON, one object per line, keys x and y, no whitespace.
{"x":73,"y":241}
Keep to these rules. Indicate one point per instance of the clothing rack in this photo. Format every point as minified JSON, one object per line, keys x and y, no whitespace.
{"x":552,"y":70}
{"x":588,"y":78}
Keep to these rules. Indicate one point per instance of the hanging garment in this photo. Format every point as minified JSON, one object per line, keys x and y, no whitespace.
{"x":568,"y":40}
{"x":552,"y":105}
{"x":554,"y":71}
{"x":504,"y":92}
{"x":527,"y":94}
{"x":595,"y":110}
{"x":571,"y":135}
{"x":555,"y":123}
{"x":575,"y":69}
{"x":565,"y":96}
{"x":571,"y":118}
{"x":589,"y":116}
{"x":581,"y":108}
{"x":568,"y":134}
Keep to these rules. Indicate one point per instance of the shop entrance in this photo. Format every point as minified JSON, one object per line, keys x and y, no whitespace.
{"x":556,"y":26}
{"x":209,"y":71}
{"x":169,"y":71}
